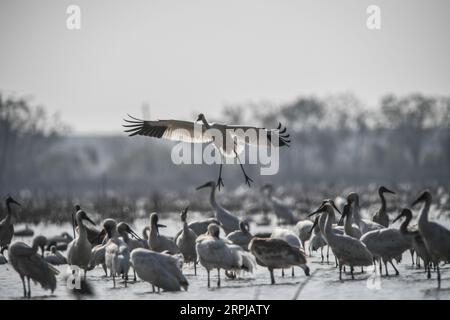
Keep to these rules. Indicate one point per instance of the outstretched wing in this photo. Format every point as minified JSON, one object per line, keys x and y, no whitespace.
{"x":253,"y":135}
{"x":175,"y":130}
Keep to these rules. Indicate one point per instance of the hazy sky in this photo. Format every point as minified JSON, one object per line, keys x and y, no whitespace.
{"x":187,"y":56}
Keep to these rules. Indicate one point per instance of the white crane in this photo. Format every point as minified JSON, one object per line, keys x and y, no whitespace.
{"x":281,"y":210}
{"x":79,"y":250}
{"x":6,"y":225}
{"x":436,"y":236}
{"x":364,"y":225}
{"x":381,"y":216}
{"x":347,"y":250}
{"x":277,"y":254}
{"x":230,"y":140}
{"x":30,"y":265}
{"x":227,"y":221}
{"x":157,"y":242}
{"x":241,"y":237}
{"x":160,"y":269}
{"x":215,"y":253}
{"x":186,"y":242}
{"x":350,"y":229}
{"x":117,"y":253}
{"x":416,"y":239}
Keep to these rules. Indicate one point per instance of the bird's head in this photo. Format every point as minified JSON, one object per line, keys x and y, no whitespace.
{"x":109,"y":225}
{"x":345,"y":213}
{"x":213,"y":230}
{"x":53,"y":249}
{"x":81,"y":215}
{"x":210,"y":184}
{"x":305,"y":269}
{"x":125,"y":227}
{"x":326,"y":207}
{"x":404,"y":213}
{"x":383,"y":189}
{"x":154,"y":221}
{"x":10,"y":200}
{"x":183,"y":214}
{"x":201,"y":117}
{"x":40,"y":242}
{"x":352,"y":197}
{"x":424,"y":197}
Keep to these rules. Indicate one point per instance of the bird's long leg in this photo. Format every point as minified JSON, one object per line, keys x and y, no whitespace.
{"x":293,"y":274}
{"x":195,"y":267}
{"x":385,"y":267}
{"x":282,"y":272}
{"x":429,"y":270}
{"x":218,"y":275}
{"x":247,"y":178}
{"x":209,"y":284}
{"x":29,"y":289}
{"x":219,"y":180}
{"x":134,"y":272}
{"x":439,"y":276}
{"x":396,"y":271}
{"x":272,"y":278}
{"x":381,"y":268}
{"x":153,"y":288}
{"x":24,"y":287}
{"x":335,"y":259}
{"x":321,"y":253}
{"x":114,"y":279}
{"x":351,"y":271}
{"x":328,"y":254}
{"x":362,"y":269}
{"x":340,"y":272}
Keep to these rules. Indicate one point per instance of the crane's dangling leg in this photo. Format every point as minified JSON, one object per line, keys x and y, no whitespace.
{"x":293,"y":273}
{"x":209,"y":284}
{"x":220,"y":181}
{"x":351,"y":271}
{"x":29,"y":289}
{"x":218,"y":275}
{"x":247,"y":178}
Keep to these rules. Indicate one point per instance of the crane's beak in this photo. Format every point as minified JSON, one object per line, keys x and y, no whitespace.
{"x":134,"y":234}
{"x":388,"y":191}
{"x":89,"y":219}
{"x":315,"y":212}
{"x":198,"y":119}
{"x":419,"y":199}
{"x":335,"y":207}
{"x":161,"y":225}
{"x":203,"y":186}
{"x":341,"y":220}
{"x":316,"y":220}
{"x":15,"y":202}
{"x":399,"y":216}
{"x":305,"y":269}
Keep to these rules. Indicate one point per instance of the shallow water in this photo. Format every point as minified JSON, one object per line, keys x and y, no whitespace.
{"x":322,"y":284}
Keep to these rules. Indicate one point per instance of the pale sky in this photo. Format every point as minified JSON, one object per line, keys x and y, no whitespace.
{"x":184,"y":57}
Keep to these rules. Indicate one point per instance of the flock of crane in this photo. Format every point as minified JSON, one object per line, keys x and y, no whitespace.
{"x":158,"y":260}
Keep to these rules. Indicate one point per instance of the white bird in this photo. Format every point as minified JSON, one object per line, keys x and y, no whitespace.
{"x":386,"y":244}
{"x":186,"y":242}
{"x":416,"y":239}
{"x":317,"y":240}
{"x":277,"y":254}
{"x":30,"y":265}
{"x":288,"y":236}
{"x":55,"y":257}
{"x":304,"y":231}
{"x":281,"y":210}
{"x":135,"y":242}
{"x":364,"y":225}
{"x":159,"y":269}
{"x":227,"y":221}
{"x":117,"y":254}
{"x":347,"y":250}
{"x":230,"y":140}
{"x":215,"y":253}
{"x":436,"y":236}
{"x":381,"y":217}
{"x":157,"y":242}
{"x":6,"y":225}
{"x":241,"y":237}
{"x":79,"y":250}
{"x":350,"y":229}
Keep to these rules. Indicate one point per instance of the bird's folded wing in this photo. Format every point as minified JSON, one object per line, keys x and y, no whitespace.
{"x":259,"y":136}
{"x":175,"y":130}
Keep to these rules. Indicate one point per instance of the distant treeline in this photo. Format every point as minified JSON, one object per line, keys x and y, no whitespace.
{"x":335,"y":140}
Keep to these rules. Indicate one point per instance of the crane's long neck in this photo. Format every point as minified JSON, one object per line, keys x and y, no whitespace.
{"x":8,"y":212}
{"x":405,"y":224}
{"x":328,"y":225}
{"x":185,"y":226}
{"x":424,"y":214}
{"x":348,"y":223}
{"x":212,"y":197}
{"x":205,"y":123}
{"x":356,"y":215}
{"x":82,"y":233}
{"x":383,"y":204}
